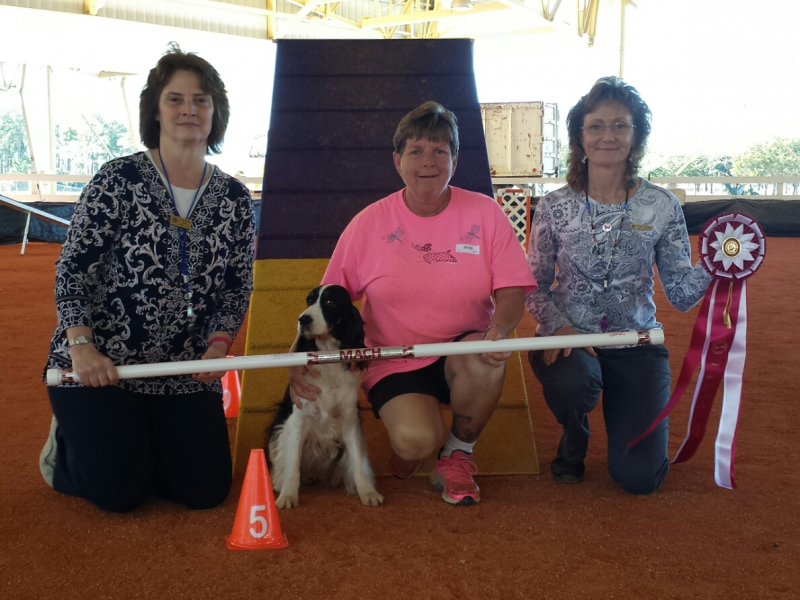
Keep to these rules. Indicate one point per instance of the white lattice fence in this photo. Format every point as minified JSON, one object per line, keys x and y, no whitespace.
{"x":517,"y":206}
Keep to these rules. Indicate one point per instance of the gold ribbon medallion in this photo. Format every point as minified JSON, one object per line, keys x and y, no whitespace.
{"x":731,"y":247}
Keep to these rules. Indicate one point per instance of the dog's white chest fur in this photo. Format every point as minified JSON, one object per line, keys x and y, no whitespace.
{"x":334,"y":410}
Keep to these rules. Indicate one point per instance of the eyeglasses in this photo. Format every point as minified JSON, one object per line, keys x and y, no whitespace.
{"x":617,"y":129}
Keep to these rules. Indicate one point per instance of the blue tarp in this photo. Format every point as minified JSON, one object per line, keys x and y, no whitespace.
{"x":12,"y":222}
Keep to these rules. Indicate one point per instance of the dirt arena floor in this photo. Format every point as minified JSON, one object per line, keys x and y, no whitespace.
{"x":528,"y":538}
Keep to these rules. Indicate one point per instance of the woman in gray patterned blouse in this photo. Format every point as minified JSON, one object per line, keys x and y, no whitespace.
{"x":157,"y":266}
{"x":605,"y":232}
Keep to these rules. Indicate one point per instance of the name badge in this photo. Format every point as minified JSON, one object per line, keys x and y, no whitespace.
{"x":180,"y":222}
{"x":641,"y":227}
{"x":468,"y":249}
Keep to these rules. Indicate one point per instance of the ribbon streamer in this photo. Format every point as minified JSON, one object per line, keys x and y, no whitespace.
{"x":732,"y":248}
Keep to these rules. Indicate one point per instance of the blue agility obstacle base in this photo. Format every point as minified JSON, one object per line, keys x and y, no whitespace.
{"x":53,"y":224}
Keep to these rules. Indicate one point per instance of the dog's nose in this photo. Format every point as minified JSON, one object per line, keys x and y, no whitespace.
{"x":304,"y":320}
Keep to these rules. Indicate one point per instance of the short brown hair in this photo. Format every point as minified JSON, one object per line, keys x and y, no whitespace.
{"x":607,"y":90}
{"x":431,"y":121}
{"x":210,"y":82}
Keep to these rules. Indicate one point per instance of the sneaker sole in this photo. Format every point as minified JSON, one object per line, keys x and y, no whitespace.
{"x":47,"y":463}
{"x":465,"y":501}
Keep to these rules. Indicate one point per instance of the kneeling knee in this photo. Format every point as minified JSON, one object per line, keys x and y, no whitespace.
{"x":414,"y":447}
{"x":117,"y":503}
{"x":642,"y":482}
{"x":205,"y":501}
{"x":201,"y":495}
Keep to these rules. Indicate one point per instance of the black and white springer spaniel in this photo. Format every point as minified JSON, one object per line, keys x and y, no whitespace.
{"x":324,"y":441}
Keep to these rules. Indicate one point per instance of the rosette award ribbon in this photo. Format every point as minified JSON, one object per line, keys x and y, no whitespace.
{"x":732,"y":248}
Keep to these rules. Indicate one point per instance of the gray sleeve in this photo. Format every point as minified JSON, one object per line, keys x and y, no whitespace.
{"x":683,"y":284}
{"x":542,"y":250}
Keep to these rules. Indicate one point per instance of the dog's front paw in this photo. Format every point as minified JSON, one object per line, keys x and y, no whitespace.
{"x":287,"y":501}
{"x":371,"y":498}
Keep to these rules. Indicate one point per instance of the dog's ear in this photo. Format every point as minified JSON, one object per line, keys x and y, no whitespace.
{"x":349,"y":330}
{"x":304,"y":345}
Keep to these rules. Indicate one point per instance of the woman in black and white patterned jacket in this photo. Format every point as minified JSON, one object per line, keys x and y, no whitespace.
{"x":599,"y":240}
{"x":156,"y":267}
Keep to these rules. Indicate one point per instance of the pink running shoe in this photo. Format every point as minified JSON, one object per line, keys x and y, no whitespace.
{"x":453,"y":475}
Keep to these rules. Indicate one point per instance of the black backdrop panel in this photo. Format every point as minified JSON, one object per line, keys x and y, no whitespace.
{"x":354,"y":129}
{"x":335,"y":107}
{"x":371,"y":57}
{"x":385,"y":92}
{"x":778,"y":218}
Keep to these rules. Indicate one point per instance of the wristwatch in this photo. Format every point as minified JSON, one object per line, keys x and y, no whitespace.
{"x":81,"y":339}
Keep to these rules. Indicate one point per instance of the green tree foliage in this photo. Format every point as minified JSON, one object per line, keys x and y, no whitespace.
{"x":769,"y":159}
{"x":694,"y":166}
{"x":83,"y":152}
{"x":78,"y":151}
{"x":14,"y":154}
{"x":563,"y":156}
{"x":759,"y":161}
{"x":701,"y":165}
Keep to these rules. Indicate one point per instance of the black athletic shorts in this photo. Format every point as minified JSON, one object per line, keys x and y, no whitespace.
{"x":428,"y":380}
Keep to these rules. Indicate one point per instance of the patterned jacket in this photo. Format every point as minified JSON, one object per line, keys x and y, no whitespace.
{"x":120,"y":271}
{"x":653,"y":234}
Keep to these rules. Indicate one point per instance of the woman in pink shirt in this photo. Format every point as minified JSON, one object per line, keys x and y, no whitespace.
{"x":431,"y":263}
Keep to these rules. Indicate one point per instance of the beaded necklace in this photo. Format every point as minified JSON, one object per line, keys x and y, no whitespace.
{"x":607,"y":227}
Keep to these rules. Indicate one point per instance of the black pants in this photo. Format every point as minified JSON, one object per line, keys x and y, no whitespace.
{"x":635,"y":386}
{"x":114,"y":448}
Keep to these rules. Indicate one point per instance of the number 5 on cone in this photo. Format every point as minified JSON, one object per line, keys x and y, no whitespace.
{"x":251,"y":530}
{"x":256,"y":518}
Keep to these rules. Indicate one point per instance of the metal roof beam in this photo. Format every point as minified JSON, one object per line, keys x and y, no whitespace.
{"x":550,"y":13}
{"x":428,"y":15}
{"x":587,"y":19}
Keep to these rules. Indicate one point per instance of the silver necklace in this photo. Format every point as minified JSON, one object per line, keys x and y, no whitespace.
{"x":606,"y":227}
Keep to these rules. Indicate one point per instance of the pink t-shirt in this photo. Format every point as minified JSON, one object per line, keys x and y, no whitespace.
{"x":426,"y":280}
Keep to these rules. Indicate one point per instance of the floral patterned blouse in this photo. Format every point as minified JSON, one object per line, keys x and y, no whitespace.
{"x":120,"y":271}
{"x":652,"y":232}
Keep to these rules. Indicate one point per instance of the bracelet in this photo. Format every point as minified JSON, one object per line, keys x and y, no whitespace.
{"x":80,"y":340}
{"x":490,"y":326}
{"x":219,"y":338}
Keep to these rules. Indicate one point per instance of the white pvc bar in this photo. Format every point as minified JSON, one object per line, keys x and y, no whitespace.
{"x":57,"y":377}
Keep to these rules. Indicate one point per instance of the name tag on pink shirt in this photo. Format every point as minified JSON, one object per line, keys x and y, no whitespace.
{"x":468,"y":249}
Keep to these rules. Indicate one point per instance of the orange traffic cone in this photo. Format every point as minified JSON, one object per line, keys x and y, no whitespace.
{"x":256,"y":525}
{"x":231,"y":391}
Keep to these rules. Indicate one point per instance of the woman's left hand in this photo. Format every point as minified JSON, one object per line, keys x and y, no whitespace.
{"x":495,"y":359}
{"x":509,"y":303}
{"x":215,"y":350}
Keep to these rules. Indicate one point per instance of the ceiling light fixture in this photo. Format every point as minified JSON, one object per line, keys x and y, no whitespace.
{"x":461,"y":5}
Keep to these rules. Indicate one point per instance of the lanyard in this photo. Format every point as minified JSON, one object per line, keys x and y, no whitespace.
{"x":183,"y":226}
{"x":607,"y":228}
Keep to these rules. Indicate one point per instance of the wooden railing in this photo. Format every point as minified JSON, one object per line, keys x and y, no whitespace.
{"x":44,"y":187}
{"x":784,"y":187}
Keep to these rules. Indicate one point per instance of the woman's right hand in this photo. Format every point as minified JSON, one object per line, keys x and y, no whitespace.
{"x":550,"y":356}
{"x":93,"y":368}
{"x":299,"y":388}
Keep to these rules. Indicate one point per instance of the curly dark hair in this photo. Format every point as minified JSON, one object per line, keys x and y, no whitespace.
{"x":606,"y":90}
{"x":430,"y":121}
{"x":175,"y":59}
